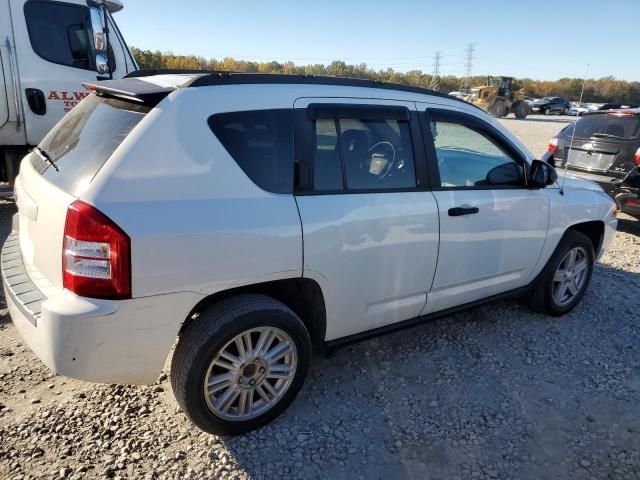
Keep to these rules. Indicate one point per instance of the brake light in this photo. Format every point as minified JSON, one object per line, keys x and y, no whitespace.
{"x":96,"y":256}
{"x":636,"y":157}
{"x":553,"y":145}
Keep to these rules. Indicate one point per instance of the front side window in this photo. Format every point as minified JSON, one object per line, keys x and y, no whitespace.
{"x":61,"y":33}
{"x":261,"y":143}
{"x":363,"y":154}
{"x":468,"y":158}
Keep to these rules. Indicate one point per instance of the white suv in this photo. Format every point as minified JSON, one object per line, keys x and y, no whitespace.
{"x":255,"y":218}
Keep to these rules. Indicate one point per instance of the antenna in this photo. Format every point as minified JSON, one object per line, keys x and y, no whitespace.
{"x":435,"y":77}
{"x":573,"y":133}
{"x":466,"y":81}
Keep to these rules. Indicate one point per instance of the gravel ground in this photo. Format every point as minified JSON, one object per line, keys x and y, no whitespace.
{"x":497,"y":392}
{"x":536,"y":130}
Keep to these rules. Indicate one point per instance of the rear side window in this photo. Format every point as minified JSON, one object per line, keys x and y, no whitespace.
{"x":261,"y":143}
{"x":607,"y":125}
{"x":363,"y":154}
{"x":82,"y":142}
{"x":60,"y":33}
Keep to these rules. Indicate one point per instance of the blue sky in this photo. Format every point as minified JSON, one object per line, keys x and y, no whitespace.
{"x":536,"y":39}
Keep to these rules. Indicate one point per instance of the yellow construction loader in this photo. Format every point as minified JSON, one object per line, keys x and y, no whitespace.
{"x":499,"y":99}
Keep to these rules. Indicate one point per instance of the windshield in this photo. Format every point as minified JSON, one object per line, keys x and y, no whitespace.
{"x":607,"y":125}
{"x":82,"y":142}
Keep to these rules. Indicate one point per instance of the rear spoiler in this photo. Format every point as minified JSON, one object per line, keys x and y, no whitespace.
{"x":131,"y":89}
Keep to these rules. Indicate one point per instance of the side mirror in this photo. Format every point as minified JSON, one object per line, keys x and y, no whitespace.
{"x":100,"y":40}
{"x":102,"y":64}
{"x":77,"y":42}
{"x":505,"y":174}
{"x":541,"y":174}
{"x":97,"y":25}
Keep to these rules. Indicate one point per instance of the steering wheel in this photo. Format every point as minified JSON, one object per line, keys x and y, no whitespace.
{"x":387,"y":151}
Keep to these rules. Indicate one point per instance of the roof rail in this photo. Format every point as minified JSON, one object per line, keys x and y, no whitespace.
{"x":233,"y":78}
{"x":148,"y":72}
{"x":129,"y":87}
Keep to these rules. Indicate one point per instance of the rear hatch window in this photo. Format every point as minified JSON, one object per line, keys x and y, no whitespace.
{"x":82,"y":142}
{"x":607,"y":125}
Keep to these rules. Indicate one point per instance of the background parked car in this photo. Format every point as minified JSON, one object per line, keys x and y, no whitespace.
{"x":615,"y":106}
{"x":578,"y":109}
{"x":551,"y":105}
{"x":606,"y":149}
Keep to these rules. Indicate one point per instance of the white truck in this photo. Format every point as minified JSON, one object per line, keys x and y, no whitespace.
{"x":48,"y":50}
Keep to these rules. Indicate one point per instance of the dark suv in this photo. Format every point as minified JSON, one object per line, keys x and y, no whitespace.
{"x":550,"y":105}
{"x":606,"y":149}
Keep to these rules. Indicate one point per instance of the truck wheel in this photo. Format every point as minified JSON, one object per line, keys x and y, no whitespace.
{"x":499,"y":110}
{"x":565,"y":278}
{"x":11,"y":161}
{"x":521,"y":110}
{"x":240,"y":364}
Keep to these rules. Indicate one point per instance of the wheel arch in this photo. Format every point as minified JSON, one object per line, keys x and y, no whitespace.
{"x":302,"y":295}
{"x":593,"y":229}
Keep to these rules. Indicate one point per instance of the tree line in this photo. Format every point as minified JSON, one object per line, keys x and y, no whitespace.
{"x":606,"y":89}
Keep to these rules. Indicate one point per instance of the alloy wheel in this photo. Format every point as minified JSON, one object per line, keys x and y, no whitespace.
{"x":250,"y":374}
{"x":570,"y":276}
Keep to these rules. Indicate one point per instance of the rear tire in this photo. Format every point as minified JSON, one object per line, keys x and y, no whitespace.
{"x":200,"y":384}
{"x":560,"y":286}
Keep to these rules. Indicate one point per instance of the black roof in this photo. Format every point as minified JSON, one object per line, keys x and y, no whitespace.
{"x":132,"y":88}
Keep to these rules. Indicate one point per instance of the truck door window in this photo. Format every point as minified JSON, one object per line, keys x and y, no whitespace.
{"x":60,"y":33}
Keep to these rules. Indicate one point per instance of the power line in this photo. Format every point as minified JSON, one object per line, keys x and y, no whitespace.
{"x":435,"y":76}
{"x":465,"y":85}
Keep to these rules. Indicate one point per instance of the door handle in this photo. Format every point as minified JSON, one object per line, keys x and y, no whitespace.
{"x":36,"y":101}
{"x":464,"y":210}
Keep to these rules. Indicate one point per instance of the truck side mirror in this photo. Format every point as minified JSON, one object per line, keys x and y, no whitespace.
{"x":100,"y":40}
{"x":102,"y":64}
{"x":77,"y":42}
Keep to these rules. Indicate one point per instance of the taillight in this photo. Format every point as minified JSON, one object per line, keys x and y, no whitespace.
{"x":636,"y":157}
{"x":553,"y":145}
{"x":96,"y":256}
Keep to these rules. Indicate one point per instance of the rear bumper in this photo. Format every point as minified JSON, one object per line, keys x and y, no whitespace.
{"x":125,"y":341}
{"x":627,"y":193}
{"x":629,"y":203}
{"x":607,"y":183}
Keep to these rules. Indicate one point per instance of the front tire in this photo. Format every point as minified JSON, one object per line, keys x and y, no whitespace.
{"x":521,"y":110}
{"x":499,"y":110}
{"x":240,"y":364}
{"x":565,"y":278}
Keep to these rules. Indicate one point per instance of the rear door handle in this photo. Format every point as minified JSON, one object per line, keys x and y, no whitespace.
{"x":464,"y":210}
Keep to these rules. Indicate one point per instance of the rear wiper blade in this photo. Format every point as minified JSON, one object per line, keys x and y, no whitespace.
{"x":607,"y":135}
{"x":47,"y":157}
